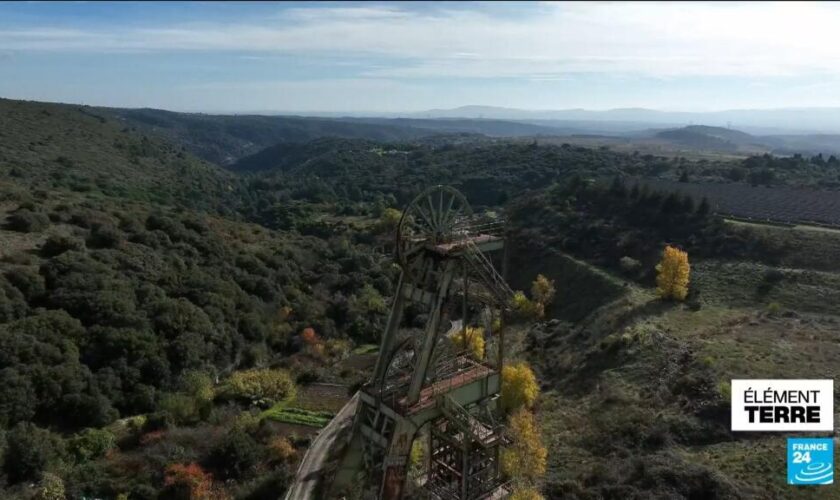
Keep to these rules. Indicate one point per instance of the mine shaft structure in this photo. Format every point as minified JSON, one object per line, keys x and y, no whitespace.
{"x":421,"y":380}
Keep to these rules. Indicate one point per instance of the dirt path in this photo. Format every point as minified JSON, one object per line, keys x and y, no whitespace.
{"x":795,"y":227}
{"x":308,"y":473}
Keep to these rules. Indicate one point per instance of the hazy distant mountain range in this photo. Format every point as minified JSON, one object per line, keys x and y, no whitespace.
{"x":755,"y":121}
{"x":224,"y":139}
{"x":724,"y":140}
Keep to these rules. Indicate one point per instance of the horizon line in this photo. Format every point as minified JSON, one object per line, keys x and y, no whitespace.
{"x":270,"y":112}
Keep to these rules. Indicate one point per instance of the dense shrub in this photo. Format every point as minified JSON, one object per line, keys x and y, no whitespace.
{"x":29,"y":451}
{"x":187,"y":481}
{"x":28,"y":281}
{"x":58,"y":244}
{"x":261,"y":387}
{"x":12,"y":301}
{"x":281,"y":449}
{"x":27,"y":221}
{"x":90,"y":444}
{"x":51,"y":487}
{"x":104,"y":236}
{"x":265,"y":487}
{"x":235,"y":455}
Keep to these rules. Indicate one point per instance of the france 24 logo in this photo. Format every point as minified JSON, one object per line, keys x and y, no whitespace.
{"x":810,"y":461}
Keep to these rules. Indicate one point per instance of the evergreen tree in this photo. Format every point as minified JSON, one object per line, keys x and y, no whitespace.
{"x":703,"y":209}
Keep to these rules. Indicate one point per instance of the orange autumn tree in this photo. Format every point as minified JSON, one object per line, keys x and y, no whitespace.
{"x":314,"y":344}
{"x":672,"y":274}
{"x":282,"y":450}
{"x":189,"y":478}
{"x":309,"y":337}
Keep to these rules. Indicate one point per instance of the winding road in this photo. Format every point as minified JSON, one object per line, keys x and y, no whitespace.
{"x":308,"y":472}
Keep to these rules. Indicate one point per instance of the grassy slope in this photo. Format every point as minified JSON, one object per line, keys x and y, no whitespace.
{"x":572,"y":301}
{"x":635,"y":402}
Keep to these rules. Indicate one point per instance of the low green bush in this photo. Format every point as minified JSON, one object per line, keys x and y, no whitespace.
{"x":261,"y":387}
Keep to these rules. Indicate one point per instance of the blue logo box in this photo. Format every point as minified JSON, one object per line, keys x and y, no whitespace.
{"x":810,"y":461}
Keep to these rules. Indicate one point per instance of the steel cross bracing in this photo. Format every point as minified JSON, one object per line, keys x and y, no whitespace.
{"x":420,"y":384}
{"x":487,"y":273}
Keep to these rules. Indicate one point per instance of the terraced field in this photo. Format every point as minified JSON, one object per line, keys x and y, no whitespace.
{"x":767,"y":204}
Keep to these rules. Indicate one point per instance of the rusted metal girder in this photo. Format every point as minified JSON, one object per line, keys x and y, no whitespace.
{"x":435,"y":240}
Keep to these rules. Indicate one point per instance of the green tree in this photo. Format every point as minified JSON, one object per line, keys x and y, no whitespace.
{"x":236,"y":455}
{"x":29,"y":451}
{"x":51,"y":487}
{"x":91,"y":444}
{"x":16,"y":397}
{"x":389,"y":219}
{"x":27,"y":221}
{"x":57,"y":244}
{"x":703,"y":208}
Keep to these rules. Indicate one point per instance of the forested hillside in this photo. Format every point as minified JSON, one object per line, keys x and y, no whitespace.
{"x":223,"y":139}
{"x":126,"y":293}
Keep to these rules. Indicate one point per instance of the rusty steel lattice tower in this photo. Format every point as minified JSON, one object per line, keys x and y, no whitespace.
{"x":421,"y":381}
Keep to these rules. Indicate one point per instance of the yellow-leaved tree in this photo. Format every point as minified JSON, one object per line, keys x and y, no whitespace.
{"x":260,"y":386}
{"x":526,"y":493}
{"x":672,"y":274}
{"x":472,"y":340}
{"x":519,"y":386}
{"x":524,"y":461}
{"x":524,"y":307}
{"x":418,"y":452}
{"x":542,"y":291}
{"x":389,"y":219}
{"x":50,"y":488}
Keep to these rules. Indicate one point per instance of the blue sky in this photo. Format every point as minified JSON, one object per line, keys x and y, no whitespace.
{"x":395,"y":57}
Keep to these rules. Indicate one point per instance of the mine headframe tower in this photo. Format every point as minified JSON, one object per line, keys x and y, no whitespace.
{"x":420,"y":378}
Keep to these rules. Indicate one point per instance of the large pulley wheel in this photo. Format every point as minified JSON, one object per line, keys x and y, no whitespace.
{"x":430,"y":219}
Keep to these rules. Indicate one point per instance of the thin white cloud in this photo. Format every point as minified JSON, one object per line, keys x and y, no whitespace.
{"x":557,"y":39}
